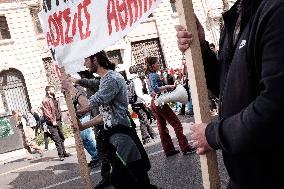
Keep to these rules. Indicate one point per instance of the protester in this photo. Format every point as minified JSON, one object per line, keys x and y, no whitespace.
{"x":91,"y":84}
{"x":165,"y":113}
{"x":52,"y":115}
{"x":138,"y":106}
{"x":213,"y":48}
{"x":87,"y":135}
{"x":130,"y":161}
{"x":27,"y":135}
{"x":251,"y":72}
{"x":187,"y":88}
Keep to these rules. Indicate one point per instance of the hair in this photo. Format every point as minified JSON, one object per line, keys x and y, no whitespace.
{"x":103,"y":60}
{"x":123,"y":73}
{"x":47,"y":88}
{"x":212,"y":45}
{"x":150,"y":61}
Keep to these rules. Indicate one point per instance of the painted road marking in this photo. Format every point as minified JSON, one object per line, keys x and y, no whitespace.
{"x":76,"y":178}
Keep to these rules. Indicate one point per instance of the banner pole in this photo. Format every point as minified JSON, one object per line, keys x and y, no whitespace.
{"x":81,"y":156}
{"x":199,"y":92}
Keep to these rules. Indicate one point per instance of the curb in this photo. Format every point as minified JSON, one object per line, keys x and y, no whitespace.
{"x":21,"y":154}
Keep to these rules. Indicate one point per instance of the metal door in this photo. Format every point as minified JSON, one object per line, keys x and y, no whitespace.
{"x":146,"y":48}
{"x":13,"y":91}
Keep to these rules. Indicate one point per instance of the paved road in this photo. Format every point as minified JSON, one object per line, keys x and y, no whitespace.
{"x":176,"y":172}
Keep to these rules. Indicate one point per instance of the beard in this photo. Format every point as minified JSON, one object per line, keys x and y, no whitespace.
{"x":93,"y":68}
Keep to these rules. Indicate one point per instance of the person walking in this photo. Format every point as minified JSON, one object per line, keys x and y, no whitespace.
{"x":27,"y":134}
{"x":248,"y":78}
{"x":52,"y":115}
{"x":130,"y":163}
{"x":137,"y":100}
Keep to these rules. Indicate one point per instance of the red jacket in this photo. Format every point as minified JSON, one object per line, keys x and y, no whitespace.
{"x":49,"y":109}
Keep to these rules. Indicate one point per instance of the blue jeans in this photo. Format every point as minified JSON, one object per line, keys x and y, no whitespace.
{"x":89,"y":143}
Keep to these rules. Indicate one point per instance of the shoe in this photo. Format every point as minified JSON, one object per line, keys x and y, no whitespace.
{"x":189,"y":150}
{"x":66,"y":154}
{"x":94,"y":163}
{"x":154,"y":136}
{"x":41,"y":152}
{"x":174,"y":152}
{"x":61,"y":158}
{"x":102,"y":184}
{"x":146,"y":140}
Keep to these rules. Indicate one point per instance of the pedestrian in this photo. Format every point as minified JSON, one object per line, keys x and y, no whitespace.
{"x":27,"y":134}
{"x":250,"y":72}
{"x":37,"y":119}
{"x":137,"y":98}
{"x":130,"y":161}
{"x":164,"y":113}
{"x":52,"y":115}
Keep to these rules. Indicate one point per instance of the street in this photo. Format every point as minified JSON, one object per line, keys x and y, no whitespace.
{"x":176,"y":172}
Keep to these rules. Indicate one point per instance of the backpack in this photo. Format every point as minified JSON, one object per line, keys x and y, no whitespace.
{"x":132,"y":97}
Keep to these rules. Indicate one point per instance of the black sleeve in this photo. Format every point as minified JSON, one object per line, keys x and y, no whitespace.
{"x":212,"y":69}
{"x":261,"y":122}
{"x":92,"y":84}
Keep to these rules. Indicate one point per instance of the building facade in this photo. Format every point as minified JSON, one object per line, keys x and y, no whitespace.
{"x":26,"y":66}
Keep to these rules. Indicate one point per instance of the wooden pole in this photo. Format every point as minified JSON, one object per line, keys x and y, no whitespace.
{"x":199,"y":92}
{"x":83,"y":166}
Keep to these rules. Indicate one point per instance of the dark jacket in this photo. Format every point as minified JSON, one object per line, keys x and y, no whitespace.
{"x":250,"y":131}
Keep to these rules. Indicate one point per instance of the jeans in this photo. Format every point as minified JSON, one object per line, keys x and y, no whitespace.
{"x":89,"y":143}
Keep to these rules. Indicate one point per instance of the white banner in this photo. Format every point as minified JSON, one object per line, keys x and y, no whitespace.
{"x":76,"y":29}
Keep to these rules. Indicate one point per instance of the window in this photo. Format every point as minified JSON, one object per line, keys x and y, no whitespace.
{"x":37,"y":26}
{"x":173,"y":5}
{"x":4,"y":29}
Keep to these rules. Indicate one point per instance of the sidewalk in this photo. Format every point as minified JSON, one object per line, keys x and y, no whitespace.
{"x":20,"y":154}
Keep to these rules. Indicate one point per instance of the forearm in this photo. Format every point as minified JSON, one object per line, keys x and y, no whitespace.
{"x":98,"y":120}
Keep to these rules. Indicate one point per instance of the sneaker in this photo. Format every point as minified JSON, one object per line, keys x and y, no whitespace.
{"x":189,"y":150}
{"x":174,"y":152}
{"x":102,"y":184}
{"x":94,"y":163}
{"x":61,"y":158}
{"x":146,"y":140}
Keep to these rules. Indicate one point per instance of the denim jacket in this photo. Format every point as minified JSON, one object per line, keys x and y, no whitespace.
{"x":155,"y":82}
{"x":111,"y":99}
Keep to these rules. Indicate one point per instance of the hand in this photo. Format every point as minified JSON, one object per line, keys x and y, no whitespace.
{"x":198,"y":138}
{"x":170,"y":86}
{"x":153,"y":94}
{"x":185,"y":37}
{"x":74,"y":80}
{"x":66,"y":85}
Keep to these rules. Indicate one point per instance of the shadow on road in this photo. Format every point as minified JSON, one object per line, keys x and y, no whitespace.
{"x":42,"y":178}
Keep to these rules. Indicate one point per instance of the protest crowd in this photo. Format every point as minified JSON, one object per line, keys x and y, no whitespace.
{"x":244,"y":79}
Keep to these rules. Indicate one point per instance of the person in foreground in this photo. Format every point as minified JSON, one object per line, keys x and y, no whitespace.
{"x":130,"y":163}
{"x":250,"y":130}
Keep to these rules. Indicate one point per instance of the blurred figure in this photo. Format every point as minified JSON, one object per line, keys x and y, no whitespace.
{"x":27,"y":134}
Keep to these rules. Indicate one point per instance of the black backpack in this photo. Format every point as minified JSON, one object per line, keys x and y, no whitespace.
{"x":132,"y":97}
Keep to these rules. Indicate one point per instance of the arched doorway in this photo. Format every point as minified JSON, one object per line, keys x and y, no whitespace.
{"x":13,"y":92}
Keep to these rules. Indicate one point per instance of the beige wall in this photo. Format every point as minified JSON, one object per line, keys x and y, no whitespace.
{"x":22,"y":51}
